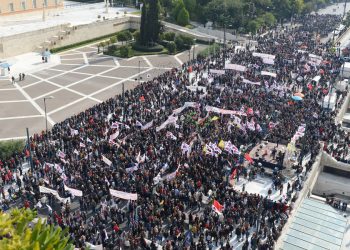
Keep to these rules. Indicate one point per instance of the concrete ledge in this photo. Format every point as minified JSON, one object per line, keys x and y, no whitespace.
{"x":26,"y":42}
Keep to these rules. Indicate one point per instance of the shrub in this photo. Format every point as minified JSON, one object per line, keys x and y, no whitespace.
{"x":169,"y":36}
{"x":113,"y":39}
{"x":124,"y":51}
{"x":171,"y":47}
{"x":136,"y":35}
{"x":183,"y":42}
{"x":8,"y":148}
{"x":183,"y":17}
{"x":188,"y":40}
{"x":179,"y":42}
{"x":155,"y":48}
{"x":124,"y":36}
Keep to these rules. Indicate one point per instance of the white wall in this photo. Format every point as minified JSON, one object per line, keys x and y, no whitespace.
{"x":330,"y":184}
{"x":27,"y":42}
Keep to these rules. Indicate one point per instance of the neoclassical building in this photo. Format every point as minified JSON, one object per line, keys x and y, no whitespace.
{"x":10,"y":7}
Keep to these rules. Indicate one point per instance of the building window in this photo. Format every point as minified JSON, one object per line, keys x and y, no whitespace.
{"x":11,"y":8}
{"x":57,"y":2}
{"x":45,"y":3}
{"x":34,"y":4}
{"x":23,"y":4}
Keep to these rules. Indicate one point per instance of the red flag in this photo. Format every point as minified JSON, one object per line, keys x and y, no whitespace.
{"x":142,"y":99}
{"x":27,"y":153}
{"x":309,"y":86}
{"x":217,"y":206}
{"x":233,"y":175}
{"x":248,"y":158}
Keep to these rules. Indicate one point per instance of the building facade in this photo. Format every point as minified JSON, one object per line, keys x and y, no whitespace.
{"x":10,"y":7}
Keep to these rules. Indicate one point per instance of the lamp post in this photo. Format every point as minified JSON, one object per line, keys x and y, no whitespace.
{"x":194,"y":46}
{"x":139,"y":69}
{"x":46,"y":98}
{"x":44,"y":11}
{"x":123,"y":96}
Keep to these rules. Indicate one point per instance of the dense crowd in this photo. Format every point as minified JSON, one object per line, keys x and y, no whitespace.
{"x":176,"y":169}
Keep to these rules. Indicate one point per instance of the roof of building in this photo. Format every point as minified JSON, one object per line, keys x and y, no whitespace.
{"x":317,"y":225}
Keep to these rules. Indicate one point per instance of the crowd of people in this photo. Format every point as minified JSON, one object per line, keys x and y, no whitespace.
{"x":180,"y":149}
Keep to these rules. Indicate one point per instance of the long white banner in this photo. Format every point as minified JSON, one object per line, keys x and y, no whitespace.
{"x":73,"y":191}
{"x":224,"y":111}
{"x":217,"y":71}
{"x":235,"y":67}
{"x":53,"y":192}
{"x":123,"y":195}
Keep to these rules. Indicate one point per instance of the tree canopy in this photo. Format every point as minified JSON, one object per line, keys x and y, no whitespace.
{"x":241,"y":14}
{"x":16,"y":233}
{"x":150,"y":26}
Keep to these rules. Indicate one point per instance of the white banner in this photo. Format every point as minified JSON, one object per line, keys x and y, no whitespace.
{"x":113,"y":136}
{"x":217,"y":71}
{"x":235,"y":67}
{"x":186,"y":105}
{"x":54,"y":193}
{"x":147,"y":126}
{"x":93,"y":247}
{"x":250,"y":82}
{"x":48,"y":190}
{"x":123,"y":195}
{"x":171,"y":120}
{"x":266,"y":73}
{"x":224,"y":111}
{"x":263,"y":55}
{"x":106,"y":160}
{"x":73,"y":191}
{"x":268,"y":61}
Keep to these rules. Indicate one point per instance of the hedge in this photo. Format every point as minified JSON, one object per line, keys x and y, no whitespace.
{"x":155,"y":48}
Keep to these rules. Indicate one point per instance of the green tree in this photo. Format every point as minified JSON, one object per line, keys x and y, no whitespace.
{"x":253,"y":26}
{"x":124,"y":36}
{"x":136,"y":35}
{"x":153,"y":20}
{"x":179,"y":5}
{"x":16,"y":233}
{"x":282,"y":8}
{"x":183,"y":18}
{"x":169,"y":36}
{"x":113,"y":39}
{"x":143,"y":26}
{"x":171,"y":46}
{"x":125,"y":51}
{"x":269,"y":19}
{"x":150,"y":25}
{"x":179,"y":42}
{"x":296,"y":6}
{"x":8,"y":148}
{"x":190,"y":6}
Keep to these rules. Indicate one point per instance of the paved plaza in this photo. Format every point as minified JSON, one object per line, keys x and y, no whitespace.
{"x":82,"y":80}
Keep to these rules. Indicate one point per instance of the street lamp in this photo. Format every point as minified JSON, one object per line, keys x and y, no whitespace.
{"x":44,"y":11}
{"x":194,"y":46}
{"x":46,"y":98}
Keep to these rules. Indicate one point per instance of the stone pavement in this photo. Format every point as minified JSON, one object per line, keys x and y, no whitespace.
{"x":77,"y":80}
